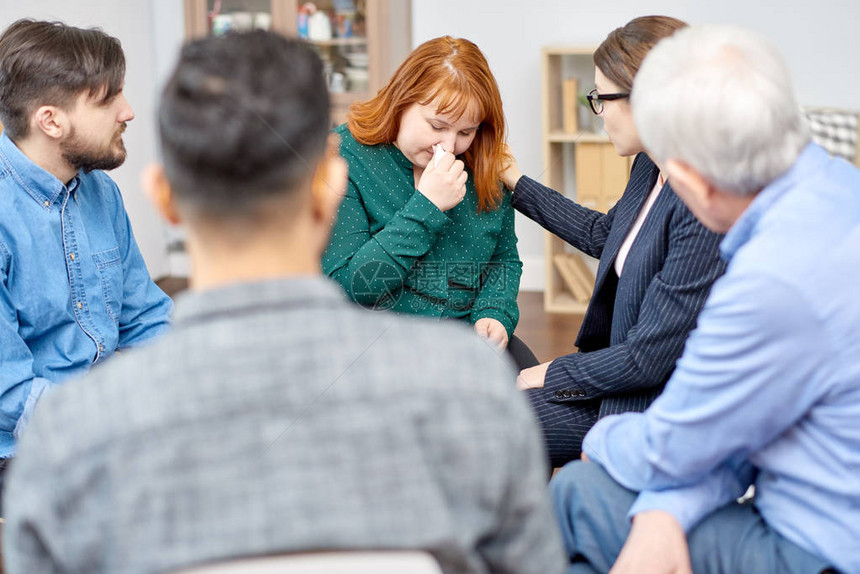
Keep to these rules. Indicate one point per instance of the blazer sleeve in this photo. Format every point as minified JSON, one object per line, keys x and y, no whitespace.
{"x":583,"y":228}
{"x":669,"y":310}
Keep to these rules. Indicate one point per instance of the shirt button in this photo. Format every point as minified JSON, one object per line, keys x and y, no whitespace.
{"x":80,"y":305}
{"x":47,"y":203}
{"x":72,"y":256}
{"x":101,"y":348}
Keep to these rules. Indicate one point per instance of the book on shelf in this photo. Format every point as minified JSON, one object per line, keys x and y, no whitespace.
{"x":583,"y":272}
{"x":569,"y":106}
{"x":579,"y":283}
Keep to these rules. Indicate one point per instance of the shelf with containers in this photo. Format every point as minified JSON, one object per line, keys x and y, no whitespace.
{"x":361,"y":42}
{"x":580,"y":162}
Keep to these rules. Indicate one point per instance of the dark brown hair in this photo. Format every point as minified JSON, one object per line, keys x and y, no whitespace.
{"x":50,"y":63}
{"x":454,"y":73}
{"x":624,"y":49}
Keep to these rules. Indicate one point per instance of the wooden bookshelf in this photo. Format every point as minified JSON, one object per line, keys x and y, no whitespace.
{"x":377,"y":42}
{"x":582,"y":165}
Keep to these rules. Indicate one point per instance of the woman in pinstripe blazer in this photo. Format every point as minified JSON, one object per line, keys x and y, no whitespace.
{"x":657,"y":264}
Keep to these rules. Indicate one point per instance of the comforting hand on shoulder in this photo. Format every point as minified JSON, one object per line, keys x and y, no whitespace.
{"x":511,"y":174}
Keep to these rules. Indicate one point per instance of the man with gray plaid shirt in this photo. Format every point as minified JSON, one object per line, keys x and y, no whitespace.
{"x":277,"y":417}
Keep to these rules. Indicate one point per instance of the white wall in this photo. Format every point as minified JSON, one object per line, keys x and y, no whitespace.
{"x":147,"y":29}
{"x":818,"y":40}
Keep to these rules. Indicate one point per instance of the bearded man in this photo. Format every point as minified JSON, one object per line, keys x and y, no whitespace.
{"x":73,"y":285}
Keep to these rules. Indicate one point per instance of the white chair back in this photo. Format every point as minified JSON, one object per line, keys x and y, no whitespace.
{"x":364,"y":562}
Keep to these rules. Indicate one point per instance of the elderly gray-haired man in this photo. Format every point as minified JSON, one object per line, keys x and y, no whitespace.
{"x":767,"y":391}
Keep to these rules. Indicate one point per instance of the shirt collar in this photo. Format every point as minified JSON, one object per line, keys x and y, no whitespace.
{"x":810,"y":160}
{"x":300,"y":292}
{"x":40,"y":184}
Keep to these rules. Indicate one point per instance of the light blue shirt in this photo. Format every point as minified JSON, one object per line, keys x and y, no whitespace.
{"x":768,"y":388}
{"x":73,"y":285}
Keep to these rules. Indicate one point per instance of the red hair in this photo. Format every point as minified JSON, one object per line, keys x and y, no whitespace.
{"x":453,"y":73}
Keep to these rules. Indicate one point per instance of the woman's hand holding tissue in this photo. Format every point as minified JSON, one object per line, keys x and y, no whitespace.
{"x":444,"y":181}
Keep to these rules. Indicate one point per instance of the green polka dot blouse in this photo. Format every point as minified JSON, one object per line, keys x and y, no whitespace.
{"x":391,"y":248}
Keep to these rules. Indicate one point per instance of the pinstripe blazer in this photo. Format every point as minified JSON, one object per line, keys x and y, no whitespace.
{"x":635,"y":327}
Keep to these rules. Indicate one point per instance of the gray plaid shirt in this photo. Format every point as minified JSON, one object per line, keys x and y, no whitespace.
{"x":278,"y":417}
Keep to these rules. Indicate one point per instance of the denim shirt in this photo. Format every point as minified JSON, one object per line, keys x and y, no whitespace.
{"x":73,"y":285}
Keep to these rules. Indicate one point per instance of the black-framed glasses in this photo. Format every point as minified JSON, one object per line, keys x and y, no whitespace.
{"x":596,"y":100}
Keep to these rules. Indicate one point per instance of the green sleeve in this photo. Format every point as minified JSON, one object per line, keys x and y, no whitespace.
{"x":371,"y":266}
{"x":500,"y":278}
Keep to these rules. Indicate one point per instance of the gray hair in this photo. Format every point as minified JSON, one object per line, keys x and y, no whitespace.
{"x":719,"y":98}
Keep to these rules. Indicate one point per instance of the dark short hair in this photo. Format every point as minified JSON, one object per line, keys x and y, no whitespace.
{"x":622,"y":52}
{"x":50,"y":63}
{"x":243,"y":118}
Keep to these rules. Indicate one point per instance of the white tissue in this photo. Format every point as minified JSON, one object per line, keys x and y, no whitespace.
{"x":438,"y":152}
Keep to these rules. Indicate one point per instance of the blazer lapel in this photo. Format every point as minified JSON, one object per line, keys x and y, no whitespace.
{"x":628,"y":207}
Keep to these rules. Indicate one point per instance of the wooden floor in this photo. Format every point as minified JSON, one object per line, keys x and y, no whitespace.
{"x":172,"y":285}
{"x":548,"y":335}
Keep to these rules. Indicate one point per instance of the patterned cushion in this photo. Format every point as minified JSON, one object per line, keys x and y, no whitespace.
{"x":834,"y":130}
